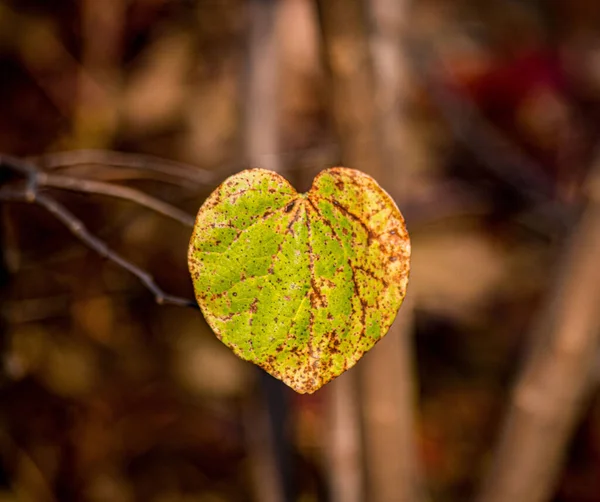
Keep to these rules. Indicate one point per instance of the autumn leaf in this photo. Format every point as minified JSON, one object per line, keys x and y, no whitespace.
{"x":300,"y":284}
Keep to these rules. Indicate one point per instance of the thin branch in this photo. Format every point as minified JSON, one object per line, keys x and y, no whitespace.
{"x":119,"y":174}
{"x":30,"y":193}
{"x":186,"y":172}
{"x":79,"y":230}
{"x":116,"y":191}
{"x":178,"y":173}
{"x":42,"y":179}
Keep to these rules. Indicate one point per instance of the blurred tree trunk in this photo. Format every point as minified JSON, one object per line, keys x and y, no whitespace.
{"x":343,"y":442}
{"x":262,"y":130}
{"x":554,"y":385}
{"x":389,"y":394}
{"x":346,"y":54}
{"x":365,"y":99}
{"x":352,"y":90}
{"x":267,"y":438}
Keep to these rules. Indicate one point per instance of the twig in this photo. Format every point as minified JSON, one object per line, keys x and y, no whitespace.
{"x":42,"y":179}
{"x":116,"y":191}
{"x":79,"y":230}
{"x":554,"y":385}
{"x":30,"y":194}
{"x":178,"y":173}
{"x":185,"y":172}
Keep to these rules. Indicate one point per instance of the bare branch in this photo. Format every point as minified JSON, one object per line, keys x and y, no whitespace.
{"x":113,"y":174}
{"x":178,"y":173}
{"x":30,"y":193}
{"x":41,"y":179}
{"x":79,"y":230}
{"x":186,"y":172}
{"x":119,"y":192}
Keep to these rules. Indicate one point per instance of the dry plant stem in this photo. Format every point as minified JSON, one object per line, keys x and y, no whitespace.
{"x":261,"y":135}
{"x":30,"y":193}
{"x":388,"y":395}
{"x":178,"y":173}
{"x":347,"y":57}
{"x":184,"y":172}
{"x":261,"y":145}
{"x":41,"y":179}
{"x":79,"y":230}
{"x":554,"y":385}
{"x":119,"y":192}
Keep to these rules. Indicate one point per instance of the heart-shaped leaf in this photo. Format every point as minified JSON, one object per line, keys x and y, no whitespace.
{"x":300,"y":284}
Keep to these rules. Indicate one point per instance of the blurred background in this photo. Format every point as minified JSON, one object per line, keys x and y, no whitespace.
{"x":480,"y":117}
